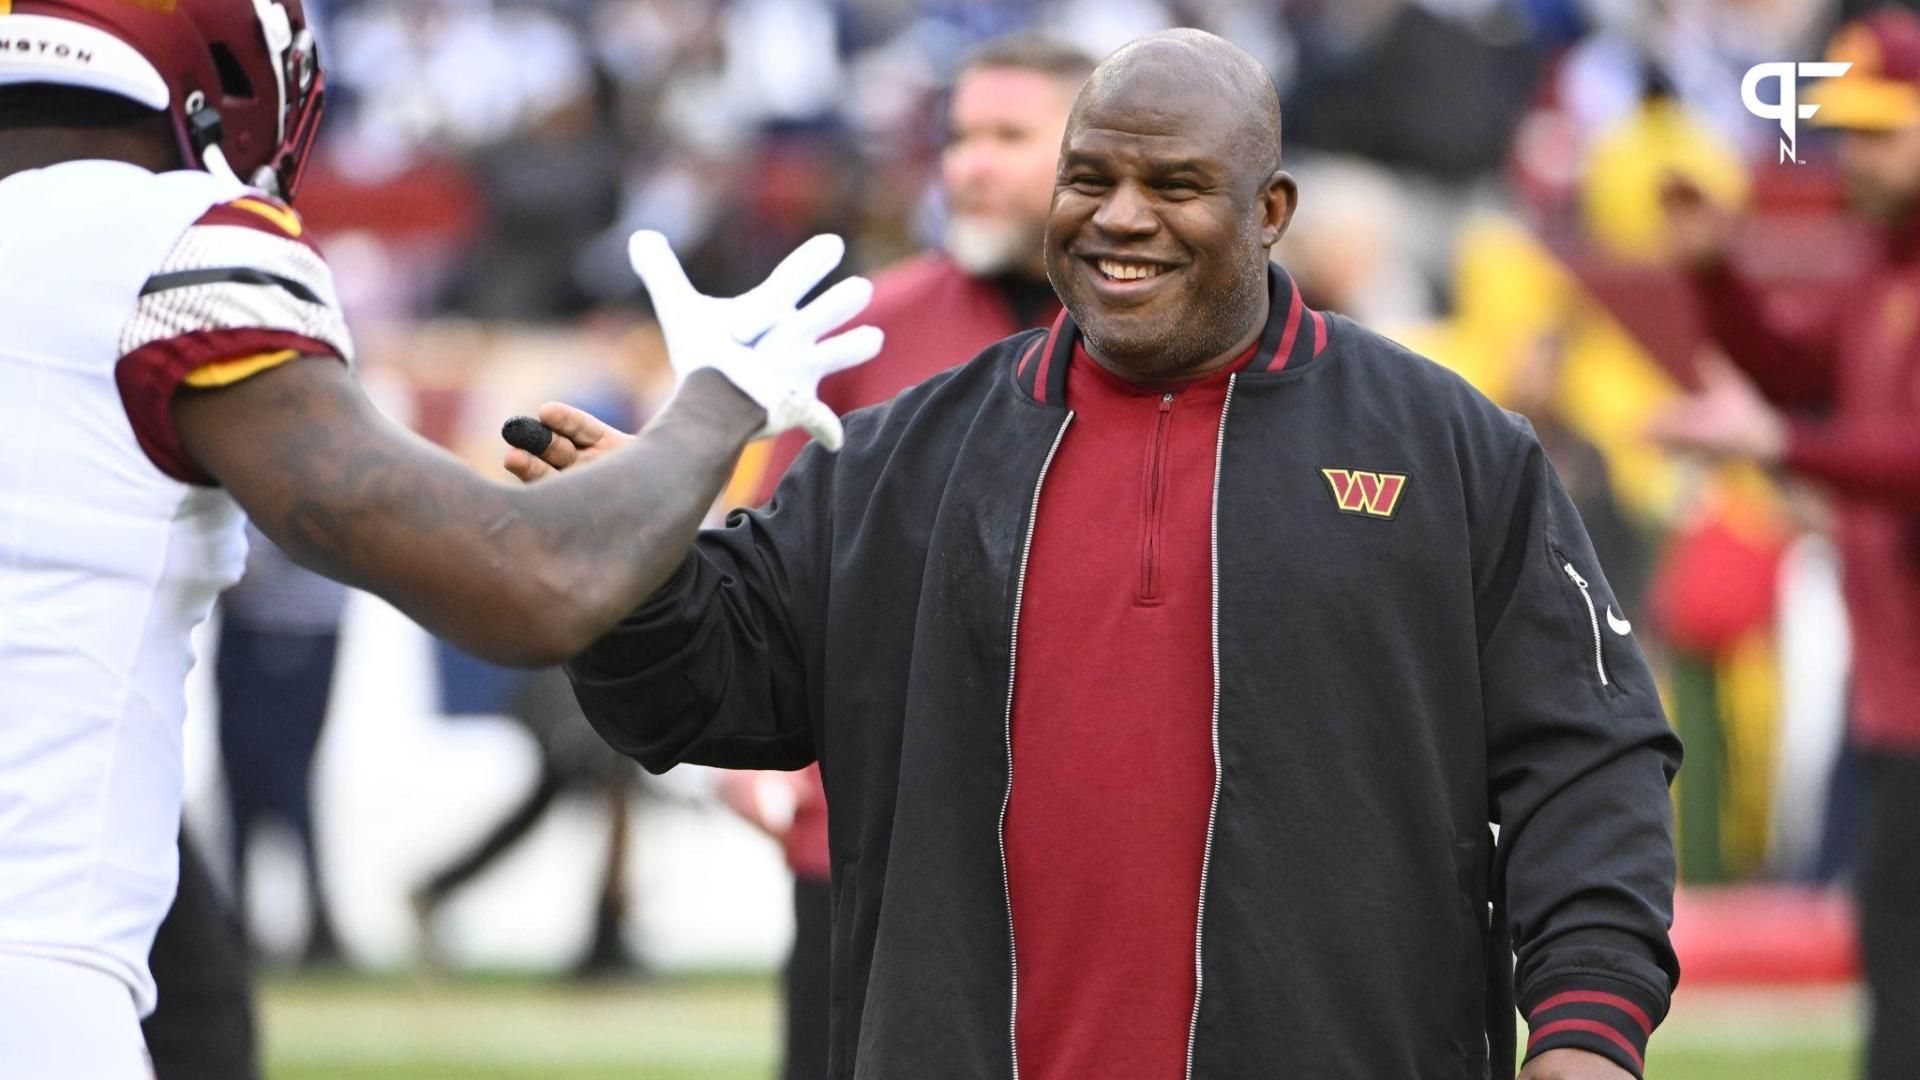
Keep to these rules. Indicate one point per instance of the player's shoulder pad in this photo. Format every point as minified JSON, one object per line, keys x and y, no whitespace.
{"x":247,"y":265}
{"x":260,"y":212}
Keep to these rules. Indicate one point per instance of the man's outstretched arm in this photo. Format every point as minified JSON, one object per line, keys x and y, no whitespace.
{"x":530,"y":576}
{"x":515,"y":575}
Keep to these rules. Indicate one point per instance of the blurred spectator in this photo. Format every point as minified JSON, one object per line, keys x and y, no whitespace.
{"x":548,"y":191}
{"x":279,"y":632}
{"x":572,"y":760}
{"x":1346,"y":247}
{"x":203,"y":1028}
{"x":1714,"y":603}
{"x":1692,"y":51}
{"x":987,"y":280}
{"x":1535,"y":394}
{"x":1463,"y":75}
{"x":1626,"y":163}
{"x":427,"y":74}
{"x":794,"y":181}
{"x":1852,"y":386}
{"x":1815,"y":788}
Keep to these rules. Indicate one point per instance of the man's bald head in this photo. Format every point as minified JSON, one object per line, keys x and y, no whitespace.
{"x":1161,"y":70}
{"x":1168,"y":200}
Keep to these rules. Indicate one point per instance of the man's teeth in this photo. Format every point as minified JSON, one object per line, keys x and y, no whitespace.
{"x":1121,"y":271}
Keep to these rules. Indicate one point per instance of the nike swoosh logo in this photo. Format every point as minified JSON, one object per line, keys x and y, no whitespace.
{"x":1617,"y":624}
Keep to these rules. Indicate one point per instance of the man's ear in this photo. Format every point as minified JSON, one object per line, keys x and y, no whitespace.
{"x":1278,"y":200}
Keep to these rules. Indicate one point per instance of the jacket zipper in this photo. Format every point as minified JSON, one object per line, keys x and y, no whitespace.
{"x":1156,"y":468}
{"x":1593,"y":618}
{"x":1013,"y":658}
{"x":1213,"y":809}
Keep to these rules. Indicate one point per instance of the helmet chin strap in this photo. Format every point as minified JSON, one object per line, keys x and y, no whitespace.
{"x":216,"y":163}
{"x":268,"y":181}
{"x":214,"y":160}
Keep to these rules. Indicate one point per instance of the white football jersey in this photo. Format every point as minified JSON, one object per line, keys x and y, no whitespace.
{"x":117,"y":288}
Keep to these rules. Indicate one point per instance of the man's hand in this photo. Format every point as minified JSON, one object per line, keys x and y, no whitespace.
{"x":767,"y":346}
{"x":578,"y":438}
{"x":1572,"y":1064}
{"x":1726,"y":418}
{"x":1699,"y":231}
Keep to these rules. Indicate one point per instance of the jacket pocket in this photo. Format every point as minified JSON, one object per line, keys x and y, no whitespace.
{"x":842,"y":1023}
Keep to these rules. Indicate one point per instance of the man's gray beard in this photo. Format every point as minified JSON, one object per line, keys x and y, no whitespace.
{"x":985,"y":248}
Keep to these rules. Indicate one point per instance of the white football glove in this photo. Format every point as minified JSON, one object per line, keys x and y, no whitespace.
{"x":761,"y":340}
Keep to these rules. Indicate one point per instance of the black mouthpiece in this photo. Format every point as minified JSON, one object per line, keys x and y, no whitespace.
{"x":528,"y":434}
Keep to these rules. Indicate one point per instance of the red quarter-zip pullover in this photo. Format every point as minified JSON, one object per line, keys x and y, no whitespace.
{"x":1113,"y":765}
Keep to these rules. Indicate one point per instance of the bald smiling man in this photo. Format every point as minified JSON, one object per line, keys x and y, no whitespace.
{"x":1168,"y":666}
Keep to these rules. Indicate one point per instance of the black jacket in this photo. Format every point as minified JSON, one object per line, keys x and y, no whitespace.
{"x":1386,"y":686}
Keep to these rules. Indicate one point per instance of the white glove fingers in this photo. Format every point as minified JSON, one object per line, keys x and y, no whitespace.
{"x":820,"y":422}
{"x":790,"y":282}
{"x":842,"y":351}
{"x":833,"y":309}
{"x":659,"y":269}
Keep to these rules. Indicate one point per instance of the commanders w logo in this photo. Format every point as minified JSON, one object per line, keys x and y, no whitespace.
{"x":1373,"y":494}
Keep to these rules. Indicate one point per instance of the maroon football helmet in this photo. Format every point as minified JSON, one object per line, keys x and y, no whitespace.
{"x":240,"y":78}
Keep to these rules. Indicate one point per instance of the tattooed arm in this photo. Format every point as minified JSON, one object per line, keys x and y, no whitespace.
{"x":515,"y":575}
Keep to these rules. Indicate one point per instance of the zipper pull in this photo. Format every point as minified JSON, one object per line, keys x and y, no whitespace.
{"x":1575,"y":575}
{"x":1166,"y":402}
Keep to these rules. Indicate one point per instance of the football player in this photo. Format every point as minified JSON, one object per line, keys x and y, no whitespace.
{"x":173,"y":355}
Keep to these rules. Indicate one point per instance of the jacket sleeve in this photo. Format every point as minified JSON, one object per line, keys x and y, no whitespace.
{"x":1580,"y":758}
{"x":711,"y":669}
{"x":1876,"y":459}
{"x":1792,"y":365}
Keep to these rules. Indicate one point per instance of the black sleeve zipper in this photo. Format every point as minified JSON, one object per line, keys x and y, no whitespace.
{"x":1593,"y":619}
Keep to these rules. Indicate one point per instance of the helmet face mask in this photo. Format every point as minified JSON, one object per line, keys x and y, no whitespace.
{"x":242,"y":79}
{"x":306,"y":100}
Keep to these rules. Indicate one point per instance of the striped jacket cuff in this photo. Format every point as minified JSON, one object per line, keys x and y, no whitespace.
{"x":1588,"y":1011}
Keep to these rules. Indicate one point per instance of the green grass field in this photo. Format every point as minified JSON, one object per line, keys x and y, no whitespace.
{"x":723,"y":1028}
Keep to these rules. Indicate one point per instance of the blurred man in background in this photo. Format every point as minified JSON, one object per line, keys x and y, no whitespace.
{"x":987,"y":280}
{"x":1838,"y":402}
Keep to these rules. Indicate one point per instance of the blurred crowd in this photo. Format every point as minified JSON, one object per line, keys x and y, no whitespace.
{"x":1480,"y":178}
{"x":548,"y":129}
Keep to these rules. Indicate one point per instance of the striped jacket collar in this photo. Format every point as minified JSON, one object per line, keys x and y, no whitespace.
{"x":1294,"y":335}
